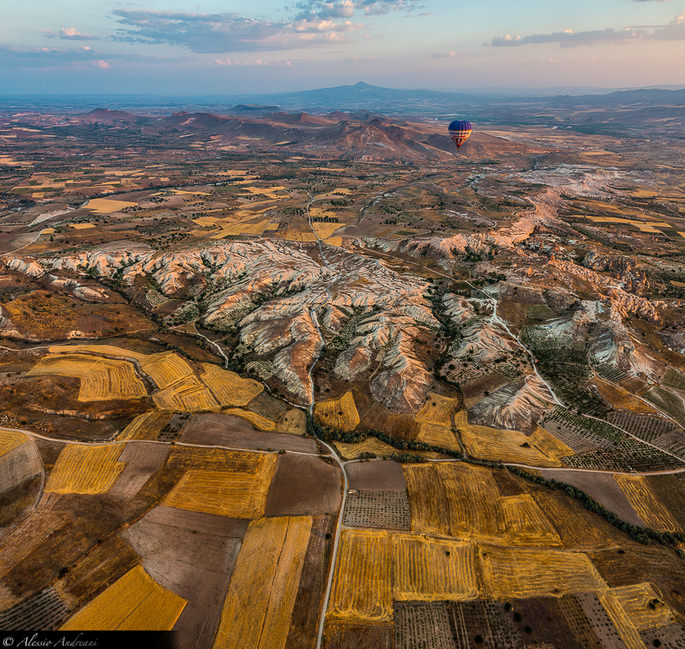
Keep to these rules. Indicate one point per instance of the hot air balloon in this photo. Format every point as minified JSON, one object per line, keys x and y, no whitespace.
{"x":460,"y":131}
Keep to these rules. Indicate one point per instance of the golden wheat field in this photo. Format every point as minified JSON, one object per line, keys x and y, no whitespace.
{"x":228,"y":388}
{"x":99,"y":350}
{"x":9,"y":440}
{"x":338,"y":413}
{"x":85,"y":469}
{"x":528,"y":572}
{"x":165,"y":368}
{"x":326,"y":230}
{"x":292,"y":421}
{"x":146,"y":426}
{"x":370,"y":445}
{"x":241,"y":228}
{"x":135,"y":602}
{"x":523,"y":519}
{"x":576,"y":526}
{"x":622,"y":621}
{"x":619,"y":398}
{"x":651,"y":510}
{"x":233,"y":494}
{"x":261,"y":595}
{"x":433,"y":569}
{"x":107,"y":205}
{"x":438,"y":410}
{"x":257,"y":420}
{"x":539,"y":449}
{"x":438,"y":435}
{"x":463,"y":501}
{"x":101,"y":378}
{"x":362,"y":589}
{"x":186,"y":394}
{"x":635,"y":600}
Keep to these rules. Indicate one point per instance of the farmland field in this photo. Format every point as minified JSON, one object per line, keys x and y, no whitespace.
{"x":433,"y":569}
{"x":101,"y":378}
{"x":362,"y":589}
{"x":85,"y":469}
{"x":235,"y":494}
{"x":339,"y":413}
{"x":262,"y":591}
{"x":134,"y":602}
{"x":463,"y":501}
{"x":525,"y":572}
{"x":646,"y":504}
{"x":228,"y":388}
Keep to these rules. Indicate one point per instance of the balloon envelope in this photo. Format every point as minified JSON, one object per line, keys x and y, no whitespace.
{"x":460,"y":130}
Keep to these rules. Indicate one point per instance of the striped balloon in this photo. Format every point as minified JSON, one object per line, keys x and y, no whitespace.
{"x":460,"y":130}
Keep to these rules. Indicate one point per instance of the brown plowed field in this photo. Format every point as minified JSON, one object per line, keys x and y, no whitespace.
{"x":227,"y":430}
{"x":386,"y":475}
{"x":192,"y":554}
{"x":304,"y":485}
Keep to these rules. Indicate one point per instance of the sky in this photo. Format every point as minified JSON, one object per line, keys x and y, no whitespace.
{"x":225,"y":47}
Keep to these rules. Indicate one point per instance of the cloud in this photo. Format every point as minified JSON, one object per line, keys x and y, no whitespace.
{"x":69,"y":34}
{"x":227,"y":32}
{"x":258,"y":62}
{"x":347,"y":8}
{"x":52,"y":58}
{"x":672,"y":31}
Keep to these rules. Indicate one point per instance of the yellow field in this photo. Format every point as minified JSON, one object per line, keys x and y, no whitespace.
{"x":146,"y":426}
{"x":165,"y":368}
{"x":438,"y":410}
{"x":10,"y":440}
{"x":292,"y":421}
{"x":437,"y":435}
{"x":433,"y":569}
{"x":541,"y":448}
{"x":652,"y":511}
{"x":229,"y":388}
{"x":103,"y":350}
{"x":362,"y":590}
{"x":369,"y":445}
{"x":85,"y":469}
{"x":186,"y":394}
{"x":234,"y":494}
{"x":635,"y":601}
{"x":135,"y":602}
{"x":261,"y":595}
{"x":338,"y":413}
{"x":242,"y":228}
{"x":619,"y":398}
{"x":576,"y":526}
{"x":622,"y":621}
{"x":528,"y":572}
{"x":326,"y":230}
{"x":334,"y":241}
{"x":107,"y":205}
{"x":302,"y":237}
{"x":455,"y":499}
{"x":643,"y":226}
{"x":375,"y":567}
{"x":82,"y":226}
{"x":101,"y":378}
{"x":189,"y":193}
{"x":257,"y":420}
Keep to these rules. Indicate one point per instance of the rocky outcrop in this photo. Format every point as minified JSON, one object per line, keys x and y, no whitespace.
{"x":515,"y":406}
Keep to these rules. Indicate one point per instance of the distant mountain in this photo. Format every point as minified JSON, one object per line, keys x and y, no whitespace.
{"x":395,"y":101}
